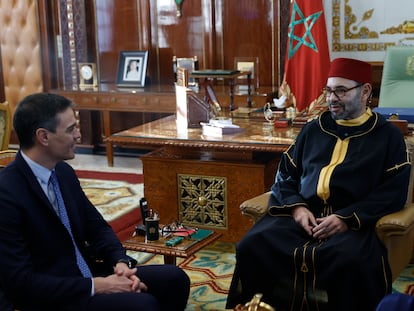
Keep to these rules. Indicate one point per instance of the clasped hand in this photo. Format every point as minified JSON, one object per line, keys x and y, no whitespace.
{"x":124,"y":279}
{"x":318,"y":228}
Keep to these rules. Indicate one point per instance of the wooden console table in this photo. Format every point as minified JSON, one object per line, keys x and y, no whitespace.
{"x":158,"y":101}
{"x":202,"y":180}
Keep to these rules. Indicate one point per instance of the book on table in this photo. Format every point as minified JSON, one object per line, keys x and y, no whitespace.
{"x":188,"y":240}
{"x":220,"y":127}
{"x":195,"y":237}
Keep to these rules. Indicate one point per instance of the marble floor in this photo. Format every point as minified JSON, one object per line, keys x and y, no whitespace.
{"x":93,"y":162}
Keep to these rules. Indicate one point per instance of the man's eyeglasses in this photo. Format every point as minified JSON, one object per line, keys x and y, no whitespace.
{"x":178,"y":229}
{"x":340,"y":91}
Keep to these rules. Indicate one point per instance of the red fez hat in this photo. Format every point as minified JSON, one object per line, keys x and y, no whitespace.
{"x":351,"y":69}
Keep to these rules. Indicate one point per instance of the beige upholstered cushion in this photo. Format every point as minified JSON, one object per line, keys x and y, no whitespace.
{"x":20,"y":49}
{"x":255,"y":207}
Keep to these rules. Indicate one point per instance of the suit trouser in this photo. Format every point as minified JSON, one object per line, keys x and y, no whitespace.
{"x":5,"y":305}
{"x":168,"y":289}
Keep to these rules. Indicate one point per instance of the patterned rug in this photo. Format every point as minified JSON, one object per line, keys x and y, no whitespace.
{"x":112,"y":198}
{"x":405,"y":282}
{"x":116,"y":196}
{"x":113,"y":194}
{"x":210,"y":271}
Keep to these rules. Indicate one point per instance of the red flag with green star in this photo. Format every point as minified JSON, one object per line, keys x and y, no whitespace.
{"x":307,"y":56}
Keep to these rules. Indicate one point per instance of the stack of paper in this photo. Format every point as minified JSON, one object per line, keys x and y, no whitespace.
{"x":220,"y":127}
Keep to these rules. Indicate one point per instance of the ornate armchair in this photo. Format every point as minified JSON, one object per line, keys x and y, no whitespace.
{"x":395,"y":230}
{"x":6,"y":155}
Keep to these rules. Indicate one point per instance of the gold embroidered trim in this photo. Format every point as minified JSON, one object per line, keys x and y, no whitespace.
{"x":357,"y":121}
{"x":338,"y":156}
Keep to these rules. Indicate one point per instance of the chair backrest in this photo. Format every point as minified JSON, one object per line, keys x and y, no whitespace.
{"x":5,"y":125}
{"x":189,"y":63}
{"x":397,"y":83}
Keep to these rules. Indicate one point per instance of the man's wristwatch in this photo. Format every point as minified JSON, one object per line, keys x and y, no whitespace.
{"x":131,"y":263}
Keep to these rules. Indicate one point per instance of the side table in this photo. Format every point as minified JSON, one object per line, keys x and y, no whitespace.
{"x":185,"y":249}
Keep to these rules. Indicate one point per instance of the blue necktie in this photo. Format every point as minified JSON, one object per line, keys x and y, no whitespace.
{"x":83,"y":266}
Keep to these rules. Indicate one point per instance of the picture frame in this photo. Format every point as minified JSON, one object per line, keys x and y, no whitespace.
{"x":132,"y":68}
{"x":247,"y":64}
{"x":87,"y":75}
{"x":189,"y":63}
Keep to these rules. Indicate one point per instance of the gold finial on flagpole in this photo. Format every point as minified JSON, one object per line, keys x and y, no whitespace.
{"x":178,"y":3}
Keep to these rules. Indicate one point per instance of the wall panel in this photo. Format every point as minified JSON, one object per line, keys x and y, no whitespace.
{"x":250,"y":29}
{"x":173,"y":35}
{"x":118,"y":29}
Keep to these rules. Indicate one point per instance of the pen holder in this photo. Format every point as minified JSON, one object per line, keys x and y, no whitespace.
{"x":152,"y":228}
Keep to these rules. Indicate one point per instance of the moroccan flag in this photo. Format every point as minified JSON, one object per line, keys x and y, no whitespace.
{"x":307,"y":54}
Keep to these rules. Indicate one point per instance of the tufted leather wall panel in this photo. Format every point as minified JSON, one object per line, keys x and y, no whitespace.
{"x":20,"y":49}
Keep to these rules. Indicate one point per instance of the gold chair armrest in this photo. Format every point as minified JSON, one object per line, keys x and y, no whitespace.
{"x":255,"y":207}
{"x":6,"y":156}
{"x":396,"y":231}
{"x":397,"y":223}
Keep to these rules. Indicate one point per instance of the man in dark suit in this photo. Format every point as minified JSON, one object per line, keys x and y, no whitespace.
{"x":47,"y":263}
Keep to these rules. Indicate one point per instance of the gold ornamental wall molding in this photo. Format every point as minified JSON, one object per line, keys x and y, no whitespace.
{"x":366,"y":28}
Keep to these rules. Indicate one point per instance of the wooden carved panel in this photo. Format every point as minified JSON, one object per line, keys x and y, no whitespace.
{"x":243,"y":180}
{"x":73,"y":38}
{"x":202,"y":200}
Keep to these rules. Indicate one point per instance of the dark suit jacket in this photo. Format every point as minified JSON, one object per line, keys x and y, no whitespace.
{"x":37,"y":262}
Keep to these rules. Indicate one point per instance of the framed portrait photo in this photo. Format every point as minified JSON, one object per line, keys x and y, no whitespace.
{"x":132,"y":68}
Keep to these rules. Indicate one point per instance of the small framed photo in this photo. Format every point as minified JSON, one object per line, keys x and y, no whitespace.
{"x":132,"y":68}
{"x":247,"y":64}
{"x":87,"y":75}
